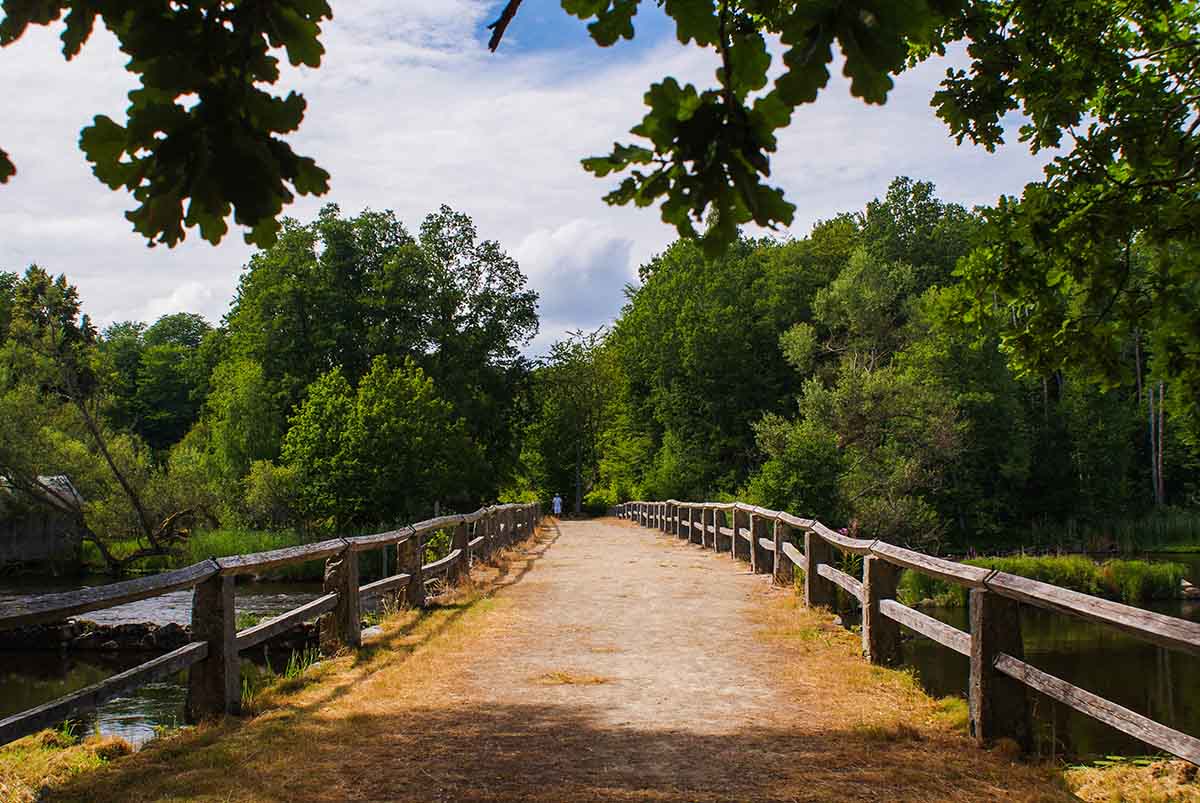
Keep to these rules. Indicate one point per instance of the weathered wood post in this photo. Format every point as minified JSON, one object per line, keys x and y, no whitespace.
{"x":342,"y":627}
{"x":690,"y":525}
{"x":817,"y":590}
{"x":741,"y":521}
{"x":409,"y":557}
{"x":880,"y":635}
{"x":214,"y":684}
{"x":999,"y":706}
{"x":706,"y":517}
{"x":760,"y":527}
{"x":783,"y":573}
{"x":462,"y":566}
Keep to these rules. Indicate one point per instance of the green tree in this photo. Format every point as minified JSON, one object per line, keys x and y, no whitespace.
{"x":53,"y":388}
{"x":573,"y":387}
{"x":378,"y":454}
{"x":342,"y":291}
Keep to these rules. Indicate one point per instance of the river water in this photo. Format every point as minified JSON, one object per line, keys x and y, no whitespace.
{"x":30,"y":678}
{"x":1156,"y":682}
{"x":1160,"y":683}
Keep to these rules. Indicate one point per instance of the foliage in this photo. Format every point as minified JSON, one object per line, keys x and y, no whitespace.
{"x":573,"y":389}
{"x":156,"y":377}
{"x":379,"y":453}
{"x":200,"y":130}
{"x":51,"y":389}
{"x":342,"y":291}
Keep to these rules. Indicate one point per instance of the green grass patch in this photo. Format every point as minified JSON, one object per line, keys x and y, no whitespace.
{"x":1128,"y":581}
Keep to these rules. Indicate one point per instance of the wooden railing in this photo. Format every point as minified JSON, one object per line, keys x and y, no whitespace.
{"x":996,"y":691}
{"x":211,"y":658}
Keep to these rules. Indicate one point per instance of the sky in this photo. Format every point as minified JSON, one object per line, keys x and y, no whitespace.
{"x":409,"y":110}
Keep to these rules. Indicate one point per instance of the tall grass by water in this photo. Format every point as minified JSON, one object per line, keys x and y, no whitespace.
{"x":1128,"y":581}
{"x":1166,"y":530}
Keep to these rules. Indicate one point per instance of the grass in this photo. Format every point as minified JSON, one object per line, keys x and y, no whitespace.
{"x":1128,"y":581}
{"x":1166,"y":530}
{"x":1135,"y":780}
{"x":48,"y":759}
{"x":564,"y":678}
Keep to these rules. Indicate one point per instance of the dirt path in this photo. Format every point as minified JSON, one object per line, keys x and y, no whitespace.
{"x":612,"y":663}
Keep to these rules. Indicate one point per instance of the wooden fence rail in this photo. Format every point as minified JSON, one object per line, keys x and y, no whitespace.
{"x":999,"y":676}
{"x":212,"y":656}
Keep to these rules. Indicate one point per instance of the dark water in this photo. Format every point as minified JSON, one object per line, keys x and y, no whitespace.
{"x":30,"y":678}
{"x":1160,"y":683}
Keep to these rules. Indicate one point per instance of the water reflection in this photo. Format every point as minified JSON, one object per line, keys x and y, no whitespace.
{"x":32,"y":677}
{"x":1159,"y":683}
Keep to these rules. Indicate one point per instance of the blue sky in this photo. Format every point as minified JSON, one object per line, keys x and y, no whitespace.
{"x":409,"y":111}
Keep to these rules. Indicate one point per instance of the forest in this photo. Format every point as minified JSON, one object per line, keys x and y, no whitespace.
{"x":850,"y":375}
{"x":365,"y":376}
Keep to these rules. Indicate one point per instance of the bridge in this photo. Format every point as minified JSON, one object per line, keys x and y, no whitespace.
{"x":617,"y":659}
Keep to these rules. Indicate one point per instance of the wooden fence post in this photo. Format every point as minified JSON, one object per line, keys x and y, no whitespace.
{"x":691,"y":527}
{"x":760,"y":555}
{"x":817,"y":590}
{"x":880,"y":635}
{"x":342,"y":627}
{"x":214,"y":684}
{"x":462,"y":566}
{"x":409,"y":556}
{"x":741,"y":521}
{"x":999,"y":706}
{"x":782,"y":571}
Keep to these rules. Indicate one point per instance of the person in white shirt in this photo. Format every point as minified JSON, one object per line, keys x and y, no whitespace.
{"x":557,"y":505}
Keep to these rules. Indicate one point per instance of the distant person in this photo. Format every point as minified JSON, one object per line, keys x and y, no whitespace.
{"x":557,"y":505}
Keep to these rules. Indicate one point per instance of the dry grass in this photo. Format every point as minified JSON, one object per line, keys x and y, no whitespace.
{"x":48,"y":759}
{"x":562,"y":678}
{"x":1159,"y":782}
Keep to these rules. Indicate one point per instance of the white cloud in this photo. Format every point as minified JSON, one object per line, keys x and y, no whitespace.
{"x":410,"y":111}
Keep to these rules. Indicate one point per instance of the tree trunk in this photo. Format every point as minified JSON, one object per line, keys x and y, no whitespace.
{"x":1162,"y":406}
{"x":578,"y":481}
{"x":1154,"y":485}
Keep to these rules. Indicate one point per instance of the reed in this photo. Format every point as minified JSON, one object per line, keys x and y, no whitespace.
{"x":1128,"y":581}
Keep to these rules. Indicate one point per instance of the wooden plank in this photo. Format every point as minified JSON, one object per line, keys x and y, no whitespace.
{"x":258,"y":561}
{"x":476,"y":541}
{"x":845,"y":543}
{"x":384,"y":586}
{"x":837,"y":576}
{"x":953,"y":571}
{"x":767,"y":544}
{"x":1129,"y":722}
{"x":87,"y":699}
{"x":794,"y":554}
{"x":363,"y":543}
{"x":56,"y":607}
{"x":796,"y":522}
{"x":441,"y":563}
{"x":439,"y":523}
{"x":927,"y":626}
{"x":1165,"y":630}
{"x":286,"y":621}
